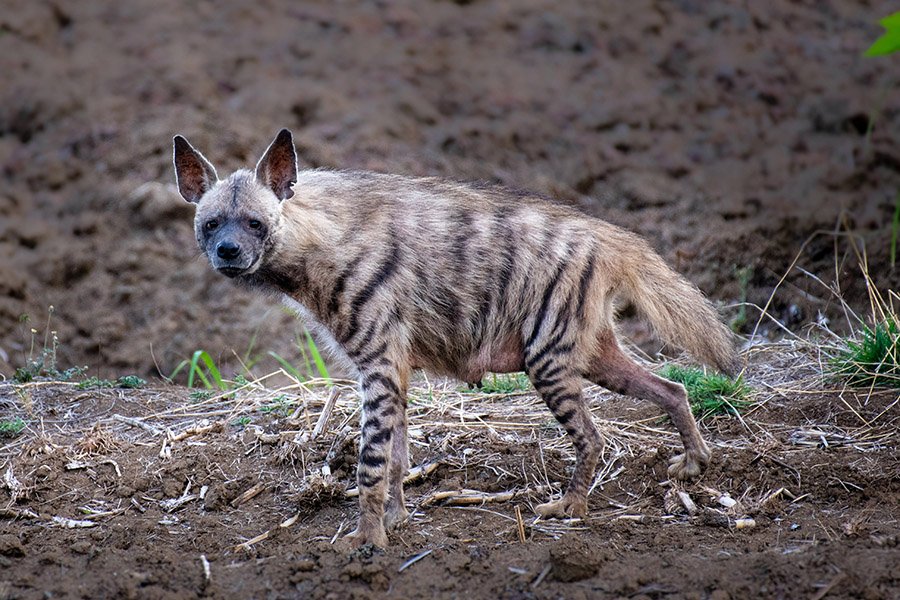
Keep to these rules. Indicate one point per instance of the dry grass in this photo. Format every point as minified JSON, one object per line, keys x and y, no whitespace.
{"x":462,"y":432}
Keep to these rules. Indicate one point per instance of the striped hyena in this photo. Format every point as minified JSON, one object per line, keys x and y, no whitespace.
{"x":398,"y":273}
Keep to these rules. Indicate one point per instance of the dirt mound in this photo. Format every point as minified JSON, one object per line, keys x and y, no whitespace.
{"x":727,"y":134}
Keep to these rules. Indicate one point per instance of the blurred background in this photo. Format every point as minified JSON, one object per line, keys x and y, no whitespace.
{"x":727,"y":133}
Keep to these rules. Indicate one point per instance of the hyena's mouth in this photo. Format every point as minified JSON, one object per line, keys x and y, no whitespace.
{"x":229,"y":271}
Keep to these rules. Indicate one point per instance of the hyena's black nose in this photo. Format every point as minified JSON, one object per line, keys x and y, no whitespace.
{"x":228,"y":250}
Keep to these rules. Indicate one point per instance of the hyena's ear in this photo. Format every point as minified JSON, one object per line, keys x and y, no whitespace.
{"x":193,"y":173}
{"x":277,"y":169}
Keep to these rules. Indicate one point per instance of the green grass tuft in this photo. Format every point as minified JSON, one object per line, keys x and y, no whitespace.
{"x":95,"y":382}
{"x":10,"y":428}
{"x":201,"y":367}
{"x":200,"y":395}
{"x":508,"y":383}
{"x":873,"y":360}
{"x":709,"y":393}
{"x":131,"y":382}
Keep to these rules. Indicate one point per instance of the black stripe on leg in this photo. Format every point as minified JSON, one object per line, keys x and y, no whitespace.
{"x":366,"y":338}
{"x":371,"y":460}
{"x":367,"y":480}
{"x":371,"y":423}
{"x":373,"y":378}
{"x":371,"y":405}
{"x":379,"y":438}
{"x":565,"y":416}
{"x":367,"y":359}
{"x":545,"y":372}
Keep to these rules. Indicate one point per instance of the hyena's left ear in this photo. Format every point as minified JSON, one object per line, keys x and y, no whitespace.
{"x":193,"y":173}
{"x":277,"y":169}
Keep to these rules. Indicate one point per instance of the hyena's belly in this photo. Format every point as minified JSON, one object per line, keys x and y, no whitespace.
{"x":505,"y":355}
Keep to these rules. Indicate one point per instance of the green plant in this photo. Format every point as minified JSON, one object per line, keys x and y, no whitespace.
{"x":874,"y":359}
{"x":311,"y":357}
{"x":200,"y":395}
{"x":889,"y":42}
{"x":73,"y":373}
{"x":279,"y":405}
{"x":44,"y":364}
{"x":288,"y":367}
{"x":242,"y":421}
{"x":11,"y":427}
{"x":201,"y":367}
{"x":95,"y":382}
{"x":709,"y":394}
{"x":130,"y":382}
{"x":316,"y":357}
{"x":508,"y":383}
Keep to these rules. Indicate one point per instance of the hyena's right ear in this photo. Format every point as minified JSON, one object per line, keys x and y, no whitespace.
{"x":193,"y":173}
{"x":277,"y":169}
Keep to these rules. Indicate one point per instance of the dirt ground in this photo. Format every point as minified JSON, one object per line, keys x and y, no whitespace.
{"x":735,"y":136}
{"x":726,"y":134}
{"x":125,"y":494}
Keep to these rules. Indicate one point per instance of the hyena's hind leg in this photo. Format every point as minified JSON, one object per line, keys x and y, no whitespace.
{"x":616,"y":371}
{"x":560,"y":388}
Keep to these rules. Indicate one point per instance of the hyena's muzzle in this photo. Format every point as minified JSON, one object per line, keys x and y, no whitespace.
{"x":230,"y":252}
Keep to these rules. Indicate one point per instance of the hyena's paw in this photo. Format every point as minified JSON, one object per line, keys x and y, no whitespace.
{"x":394,"y":516}
{"x":565,"y":508}
{"x":376,"y":536}
{"x":690,"y":464}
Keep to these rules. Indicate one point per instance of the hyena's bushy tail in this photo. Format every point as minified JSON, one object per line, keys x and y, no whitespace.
{"x":680,"y":314}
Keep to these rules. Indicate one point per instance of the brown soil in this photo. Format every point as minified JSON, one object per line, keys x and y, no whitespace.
{"x":726,"y":134}
{"x":821,"y":487}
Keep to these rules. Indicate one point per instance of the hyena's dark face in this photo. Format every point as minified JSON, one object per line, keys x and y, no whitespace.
{"x":237,"y":217}
{"x":234,"y":222}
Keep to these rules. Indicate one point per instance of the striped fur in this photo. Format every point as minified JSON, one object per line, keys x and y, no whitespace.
{"x":402,"y":273}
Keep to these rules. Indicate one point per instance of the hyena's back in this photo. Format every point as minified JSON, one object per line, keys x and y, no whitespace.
{"x":469,"y":278}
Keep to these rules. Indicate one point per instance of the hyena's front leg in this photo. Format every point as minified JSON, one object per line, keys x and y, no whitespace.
{"x":395,"y":509}
{"x":382,"y":418}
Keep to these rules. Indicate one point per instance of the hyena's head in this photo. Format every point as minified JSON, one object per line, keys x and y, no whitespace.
{"x":238,"y":217}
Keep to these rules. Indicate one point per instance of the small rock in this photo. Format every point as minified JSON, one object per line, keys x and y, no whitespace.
{"x":572,"y":560}
{"x":11,"y":546}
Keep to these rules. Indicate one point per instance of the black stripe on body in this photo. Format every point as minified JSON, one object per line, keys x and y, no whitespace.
{"x":340,"y":282}
{"x":583,"y":284}
{"x":387,"y":268}
{"x":504,"y":235}
{"x":545,"y":304}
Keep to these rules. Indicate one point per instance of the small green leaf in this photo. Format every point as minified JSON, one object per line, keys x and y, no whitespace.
{"x":889,"y":42}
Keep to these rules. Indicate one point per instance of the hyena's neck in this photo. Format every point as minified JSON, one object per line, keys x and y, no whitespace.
{"x":304,"y":260}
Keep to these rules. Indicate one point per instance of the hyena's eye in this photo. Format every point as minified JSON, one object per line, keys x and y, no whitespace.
{"x":211,"y":225}
{"x":254,"y":224}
